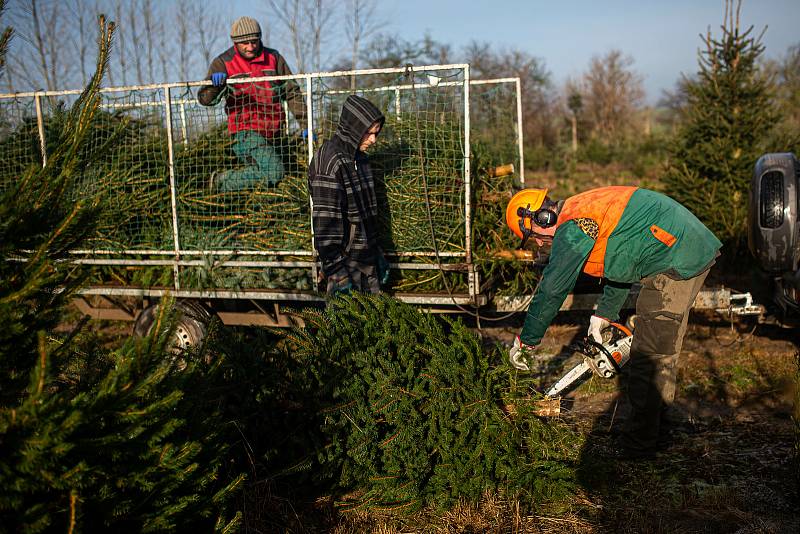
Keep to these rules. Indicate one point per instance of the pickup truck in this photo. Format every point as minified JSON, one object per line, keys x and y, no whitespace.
{"x":774,"y":229}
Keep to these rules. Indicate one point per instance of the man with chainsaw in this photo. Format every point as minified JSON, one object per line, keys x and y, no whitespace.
{"x":623,"y":235}
{"x":254,"y":109}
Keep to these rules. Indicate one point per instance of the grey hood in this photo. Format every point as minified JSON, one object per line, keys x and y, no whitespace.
{"x":358,"y":114}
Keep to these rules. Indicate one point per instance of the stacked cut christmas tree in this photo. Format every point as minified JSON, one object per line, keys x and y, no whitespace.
{"x":411,"y":412}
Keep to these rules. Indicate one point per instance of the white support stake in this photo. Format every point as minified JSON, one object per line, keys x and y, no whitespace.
{"x":519,"y":135}
{"x":40,"y":126}
{"x":467,"y":184}
{"x":172,"y":189}
{"x":185,"y":137}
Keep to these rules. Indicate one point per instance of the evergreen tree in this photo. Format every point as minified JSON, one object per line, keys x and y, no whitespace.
{"x":94,"y":440}
{"x":726,"y":122}
{"x":411,"y":412}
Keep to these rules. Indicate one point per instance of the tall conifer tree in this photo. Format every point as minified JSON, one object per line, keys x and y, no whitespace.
{"x":92,"y":440}
{"x":726,"y":122}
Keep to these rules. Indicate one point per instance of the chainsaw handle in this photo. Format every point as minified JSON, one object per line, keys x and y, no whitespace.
{"x":623,"y":328}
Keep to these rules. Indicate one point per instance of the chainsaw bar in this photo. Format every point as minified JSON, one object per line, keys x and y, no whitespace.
{"x":603,"y":359}
{"x":576,"y":375}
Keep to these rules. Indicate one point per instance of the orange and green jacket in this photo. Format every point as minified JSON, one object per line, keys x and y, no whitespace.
{"x":622,"y":234}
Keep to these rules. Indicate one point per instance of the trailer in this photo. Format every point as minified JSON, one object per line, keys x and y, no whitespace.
{"x":188,"y":220}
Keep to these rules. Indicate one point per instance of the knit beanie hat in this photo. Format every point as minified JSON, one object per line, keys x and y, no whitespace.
{"x":245,"y":29}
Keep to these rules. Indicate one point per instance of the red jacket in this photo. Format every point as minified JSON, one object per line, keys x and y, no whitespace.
{"x":254,"y":106}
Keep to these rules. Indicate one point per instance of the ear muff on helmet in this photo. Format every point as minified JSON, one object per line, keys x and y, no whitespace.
{"x":525,"y":209}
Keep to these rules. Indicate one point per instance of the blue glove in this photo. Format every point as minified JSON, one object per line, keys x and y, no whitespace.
{"x":304,"y":134}
{"x":340,"y":284}
{"x":218,"y":79}
{"x":383,"y":269}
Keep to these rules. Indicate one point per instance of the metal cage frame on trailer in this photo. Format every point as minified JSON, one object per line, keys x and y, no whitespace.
{"x":178,"y":257}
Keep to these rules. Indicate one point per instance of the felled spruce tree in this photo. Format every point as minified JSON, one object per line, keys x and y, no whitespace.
{"x":728,"y":116}
{"x":412,"y":413}
{"x":92,"y":440}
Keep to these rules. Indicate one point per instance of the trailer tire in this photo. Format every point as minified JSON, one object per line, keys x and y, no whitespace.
{"x":190,"y":329}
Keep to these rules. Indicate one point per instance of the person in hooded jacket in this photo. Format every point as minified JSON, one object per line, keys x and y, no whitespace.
{"x":345,"y":207}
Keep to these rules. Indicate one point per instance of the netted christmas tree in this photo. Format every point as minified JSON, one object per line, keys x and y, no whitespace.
{"x":727,"y":118}
{"x":411,"y":411}
{"x":93,"y":439}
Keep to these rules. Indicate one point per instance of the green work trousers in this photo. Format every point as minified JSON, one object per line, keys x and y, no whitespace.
{"x":262,"y":163}
{"x":662,"y":313}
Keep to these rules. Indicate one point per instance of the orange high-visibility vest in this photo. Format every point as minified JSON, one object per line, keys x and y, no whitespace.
{"x":604,"y":206}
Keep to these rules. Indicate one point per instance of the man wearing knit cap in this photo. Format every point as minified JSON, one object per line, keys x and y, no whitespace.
{"x":254,"y":110}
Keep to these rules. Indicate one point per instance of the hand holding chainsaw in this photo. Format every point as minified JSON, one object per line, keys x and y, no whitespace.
{"x":603,"y":358}
{"x":596,"y":326}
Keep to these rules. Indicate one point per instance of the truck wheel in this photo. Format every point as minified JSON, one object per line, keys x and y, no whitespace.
{"x":191,"y":327}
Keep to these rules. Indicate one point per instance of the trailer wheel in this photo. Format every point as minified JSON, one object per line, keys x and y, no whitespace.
{"x":191,"y":327}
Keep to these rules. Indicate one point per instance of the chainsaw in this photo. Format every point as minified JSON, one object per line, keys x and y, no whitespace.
{"x":602,"y":359}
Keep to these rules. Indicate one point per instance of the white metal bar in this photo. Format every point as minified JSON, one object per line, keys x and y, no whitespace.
{"x":386,"y":88}
{"x":191,"y":263}
{"x":428,"y":254}
{"x":145,"y":104}
{"x":395,"y":88}
{"x":519,"y":134}
{"x":467,"y":184}
{"x":40,"y":126}
{"x":493,"y":80}
{"x":243,"y":263}
{"x":173,"y":196}
{"x":310,"y":141}
{"x":253,"y":294}
{"x":266,"y":294}
{"x":239,"y":252}
{"x":397,"y":104}
{"x":332,"y":74}
{"x":195,"y":252}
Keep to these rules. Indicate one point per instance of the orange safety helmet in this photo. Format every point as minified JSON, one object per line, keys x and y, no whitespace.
{"x":530,"y":200}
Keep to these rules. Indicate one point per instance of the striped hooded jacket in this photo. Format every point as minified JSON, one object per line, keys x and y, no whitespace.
{"x":345,"y":214}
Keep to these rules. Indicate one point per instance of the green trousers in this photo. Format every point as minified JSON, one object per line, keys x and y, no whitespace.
{"x":662,"y":313}
{"x":262,"y":163}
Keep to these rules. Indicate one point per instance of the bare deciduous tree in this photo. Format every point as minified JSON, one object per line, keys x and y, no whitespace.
{"x":55,"y":38}
{"x":41,"y":27}
{"x":305,"y":25}
{"x":613,"y":95}
{"x":5,"y":38}
{"x":360,"y":23}
{"x":539,"y":105}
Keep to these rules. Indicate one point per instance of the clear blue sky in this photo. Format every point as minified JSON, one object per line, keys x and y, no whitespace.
{"x":662,"y":36}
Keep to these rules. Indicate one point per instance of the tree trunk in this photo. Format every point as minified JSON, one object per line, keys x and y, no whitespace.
{"x":574,"y":133}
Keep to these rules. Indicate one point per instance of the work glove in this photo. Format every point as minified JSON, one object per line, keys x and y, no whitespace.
{"x":340,"y":284}
{"x":596,"y":326}
{"x":520,"y":354}
{"x":383,"y":269}
{"x":218,"y":79}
